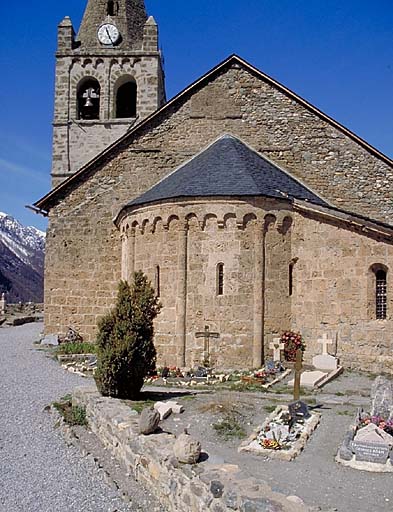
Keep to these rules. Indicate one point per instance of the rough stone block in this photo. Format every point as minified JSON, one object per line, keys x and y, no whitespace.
{"x":163,"y":409}
{"x":176,"y":408}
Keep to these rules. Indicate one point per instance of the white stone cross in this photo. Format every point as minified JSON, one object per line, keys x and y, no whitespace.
{"x":277,"y":346}
{"x":325,"y":341}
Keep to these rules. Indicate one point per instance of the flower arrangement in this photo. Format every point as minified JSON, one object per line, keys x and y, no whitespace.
{"x":271,"y":444}
{"x":386,"y":425}
{"x":293,"y":341}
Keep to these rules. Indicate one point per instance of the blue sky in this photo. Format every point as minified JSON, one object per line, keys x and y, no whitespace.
{"x":338,"y":54}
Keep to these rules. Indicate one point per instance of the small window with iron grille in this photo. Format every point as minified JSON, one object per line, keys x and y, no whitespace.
{"x":380,"y":294}
{"x":220,"y":279}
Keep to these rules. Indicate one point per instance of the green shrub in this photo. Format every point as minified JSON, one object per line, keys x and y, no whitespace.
{"x":125,"y":348}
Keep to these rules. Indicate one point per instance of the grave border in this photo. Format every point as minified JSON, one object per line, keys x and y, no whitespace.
{"x":287,"y":455}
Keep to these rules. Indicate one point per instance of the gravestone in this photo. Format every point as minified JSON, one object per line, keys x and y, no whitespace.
{"x":2,"y":304}
{"x":382,"y":398}
{"x":374,"y":435}
{"x":277,"y":346}
{"x":370,"y":452}
{"x":325,"y":361}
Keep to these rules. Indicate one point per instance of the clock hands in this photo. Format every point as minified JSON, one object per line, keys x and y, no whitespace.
{"x":108,"y":33}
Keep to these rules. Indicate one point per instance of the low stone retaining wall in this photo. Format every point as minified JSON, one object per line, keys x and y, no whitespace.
{"x":201,"y":487}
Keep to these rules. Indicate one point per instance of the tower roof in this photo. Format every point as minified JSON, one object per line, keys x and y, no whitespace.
{"x":228,"y":167}
{"x":128,"y":15}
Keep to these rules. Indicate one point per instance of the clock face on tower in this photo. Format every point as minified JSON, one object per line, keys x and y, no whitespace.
{"x":108,"y":34}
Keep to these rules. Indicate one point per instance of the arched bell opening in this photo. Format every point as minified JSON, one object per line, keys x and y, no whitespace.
{"x":125,"y":98}
{"x":88,"y":97}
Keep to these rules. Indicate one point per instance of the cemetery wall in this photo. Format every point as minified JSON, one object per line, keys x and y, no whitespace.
{"x":83,"y":259}
{"x":334,"y":291}
{"x":150,"y":460}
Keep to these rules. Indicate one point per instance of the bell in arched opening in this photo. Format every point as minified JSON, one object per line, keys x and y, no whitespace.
{"x":89,"y":99}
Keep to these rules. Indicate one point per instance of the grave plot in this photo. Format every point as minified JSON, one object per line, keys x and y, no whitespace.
{"x":325,"y":368}
{"x":285,"y":432}
{"x":368,"y":443}
{"x":272,"y":373}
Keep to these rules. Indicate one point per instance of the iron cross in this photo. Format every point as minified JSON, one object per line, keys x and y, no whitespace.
{"x":207,"y":335}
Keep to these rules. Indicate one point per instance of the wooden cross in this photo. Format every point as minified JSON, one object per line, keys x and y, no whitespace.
{"x":277,"y":346}
{"x":206,"y":334}
{"x":325,"y":341}
{"x":298,"y":374}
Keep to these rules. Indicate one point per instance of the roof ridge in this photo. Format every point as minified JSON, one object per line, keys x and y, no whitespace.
{"x":46,"y":202}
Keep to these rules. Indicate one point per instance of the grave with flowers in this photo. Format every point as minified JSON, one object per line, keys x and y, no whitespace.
{"x":368,"y":443}
{"x":324,"y":368}
{"x":285,"y":432}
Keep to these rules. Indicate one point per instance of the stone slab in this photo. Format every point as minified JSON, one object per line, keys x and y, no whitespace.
{"x":50,"y":339}
{"x":325,"y":362}
{"x":370,"y":452}
{"x":330,"y":376}
{"x":310,"y":379}
{"x":163,"y":409}
{"x":382,"y":398}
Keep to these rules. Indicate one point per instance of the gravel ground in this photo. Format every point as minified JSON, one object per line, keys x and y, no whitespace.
{"x":38,"y":472}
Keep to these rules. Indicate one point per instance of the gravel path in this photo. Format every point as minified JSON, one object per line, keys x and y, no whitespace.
{"x":38,"y":472}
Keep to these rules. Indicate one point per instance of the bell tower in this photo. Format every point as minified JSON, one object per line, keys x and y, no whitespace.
{"x":108,"y":78}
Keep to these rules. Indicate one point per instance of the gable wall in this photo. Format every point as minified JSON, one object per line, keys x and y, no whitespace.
{"x":83,"y":246}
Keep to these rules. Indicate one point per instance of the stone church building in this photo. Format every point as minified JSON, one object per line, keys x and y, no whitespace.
{"x":250,"y":210}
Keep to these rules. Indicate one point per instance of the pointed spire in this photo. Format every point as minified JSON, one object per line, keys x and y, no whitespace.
{"x":128,"y":15}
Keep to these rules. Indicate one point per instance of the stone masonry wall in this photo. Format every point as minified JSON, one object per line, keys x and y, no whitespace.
{"x":83,"y":246}
{"x":334,"y":292}
{"x":212,"y":232}
{"x":77,"y":141}
{"x":150,"y":460}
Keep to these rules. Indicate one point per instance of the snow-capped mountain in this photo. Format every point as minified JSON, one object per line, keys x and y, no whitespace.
{"x":22,"y":252}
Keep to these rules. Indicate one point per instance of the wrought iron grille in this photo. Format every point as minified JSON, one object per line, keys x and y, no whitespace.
{"x":381,"y":295}
{"x":220,"y":279}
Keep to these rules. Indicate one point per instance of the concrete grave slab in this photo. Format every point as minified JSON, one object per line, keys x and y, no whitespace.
{"x":310,"y":379}
{"x":325,"y":362}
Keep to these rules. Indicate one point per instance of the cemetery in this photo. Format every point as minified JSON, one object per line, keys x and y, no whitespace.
{"x":220,"y":437}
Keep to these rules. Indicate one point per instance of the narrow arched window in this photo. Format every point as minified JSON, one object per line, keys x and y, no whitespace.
{"x":380,"y":294}
{"x":290,"y":279}
{"x":126,"y":99}
{"x":158,"y":281}
{"x":220,"y":279}
{"x":88,"y":96}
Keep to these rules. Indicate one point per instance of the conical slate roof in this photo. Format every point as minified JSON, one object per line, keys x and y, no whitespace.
{"x":228,"y":168}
